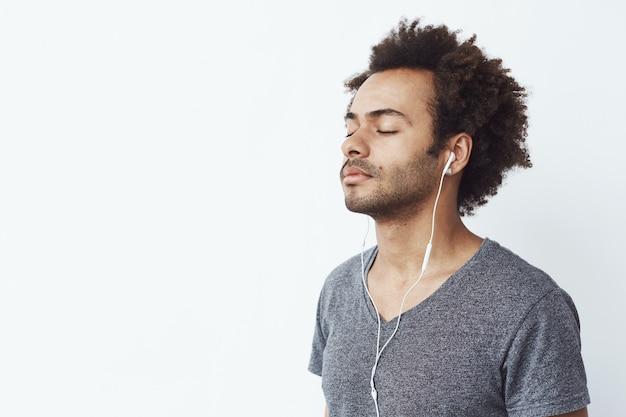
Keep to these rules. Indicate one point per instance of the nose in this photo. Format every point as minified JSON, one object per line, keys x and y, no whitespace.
{"x":355,"y":146}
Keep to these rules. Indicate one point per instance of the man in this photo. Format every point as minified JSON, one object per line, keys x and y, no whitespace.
{"x":434,"y":320}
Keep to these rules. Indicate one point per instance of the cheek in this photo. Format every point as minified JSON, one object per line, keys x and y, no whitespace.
{"x":395,"y":149}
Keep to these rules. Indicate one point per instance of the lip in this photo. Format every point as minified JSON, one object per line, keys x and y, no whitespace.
{"x":352,"y":175}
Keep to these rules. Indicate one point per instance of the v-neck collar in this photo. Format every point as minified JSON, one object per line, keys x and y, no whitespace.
{"x":450,"y":283}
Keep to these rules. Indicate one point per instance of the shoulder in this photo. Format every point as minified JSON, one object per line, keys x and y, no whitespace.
{"x":509,"y":285}
{"x":496,"y":256}
{"x":351,"y":268}
{"x":503,"y":269}
{"x":347,"y":276}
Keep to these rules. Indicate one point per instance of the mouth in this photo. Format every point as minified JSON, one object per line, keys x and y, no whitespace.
{"x":352,"y":175}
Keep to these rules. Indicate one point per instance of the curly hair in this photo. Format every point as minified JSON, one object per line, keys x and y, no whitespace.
{"x":473,"y":94}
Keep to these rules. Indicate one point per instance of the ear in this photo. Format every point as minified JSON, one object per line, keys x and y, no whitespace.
{"x":461,"y":145}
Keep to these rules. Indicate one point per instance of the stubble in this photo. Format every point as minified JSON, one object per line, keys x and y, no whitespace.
{"x":398,"y":191}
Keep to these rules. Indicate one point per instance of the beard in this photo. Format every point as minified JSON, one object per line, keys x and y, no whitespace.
{"x":398,"y":191}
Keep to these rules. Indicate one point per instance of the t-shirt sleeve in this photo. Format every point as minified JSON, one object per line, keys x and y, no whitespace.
{"x":319,"y":343}
{"x":544,"y":373}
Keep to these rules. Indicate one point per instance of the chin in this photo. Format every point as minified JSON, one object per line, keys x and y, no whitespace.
{"x":361,"y":205}
{"x":354,"y":206}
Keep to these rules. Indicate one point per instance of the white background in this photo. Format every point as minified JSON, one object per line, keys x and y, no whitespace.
{"x":169,"y":201}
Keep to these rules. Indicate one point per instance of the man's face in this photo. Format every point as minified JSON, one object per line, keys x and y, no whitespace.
{"x":387,"y":171}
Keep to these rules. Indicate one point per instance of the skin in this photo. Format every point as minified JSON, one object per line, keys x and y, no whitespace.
{"x":389,"y":134}
{"x":389,"y":174}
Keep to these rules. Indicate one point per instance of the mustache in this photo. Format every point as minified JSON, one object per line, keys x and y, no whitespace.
{"x":370,"y":169}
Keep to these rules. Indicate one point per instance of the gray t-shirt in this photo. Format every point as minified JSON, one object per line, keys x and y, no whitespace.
{"x":498,"y":338}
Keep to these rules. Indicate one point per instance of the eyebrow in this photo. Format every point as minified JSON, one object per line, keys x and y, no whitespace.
{"x":374,"y":114}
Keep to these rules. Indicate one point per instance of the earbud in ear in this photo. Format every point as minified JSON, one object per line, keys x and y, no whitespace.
{"x":451,"y":159}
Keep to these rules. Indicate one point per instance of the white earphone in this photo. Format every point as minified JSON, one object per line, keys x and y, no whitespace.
{"x":451,"y":159}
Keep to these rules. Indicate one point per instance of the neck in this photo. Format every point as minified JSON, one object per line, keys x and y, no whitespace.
{"x":402,"y":242}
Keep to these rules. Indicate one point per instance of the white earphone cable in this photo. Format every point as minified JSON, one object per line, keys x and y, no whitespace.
{"x":379,"y":350}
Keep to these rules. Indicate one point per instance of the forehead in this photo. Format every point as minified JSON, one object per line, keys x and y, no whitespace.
{"x":409,"y":91}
